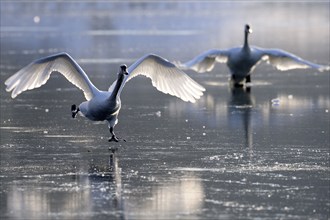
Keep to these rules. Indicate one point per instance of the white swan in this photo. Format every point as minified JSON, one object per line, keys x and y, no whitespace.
{"x":242,"y":60}
{"x":105,"y":105}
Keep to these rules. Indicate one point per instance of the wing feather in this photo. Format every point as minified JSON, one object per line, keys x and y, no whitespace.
{"x":205,"y":62}
{"x":284,"y":60}
{"x":165,"y":76}
{"x":38,"y":72}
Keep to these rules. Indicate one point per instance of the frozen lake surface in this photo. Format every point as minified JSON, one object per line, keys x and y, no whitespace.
{"x":235,"y":154}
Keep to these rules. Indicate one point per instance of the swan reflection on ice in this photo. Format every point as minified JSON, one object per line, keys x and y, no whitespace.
{"x":101,"y":192}
{"x":240,"y":107}
{"x":169,"y":200}
{"x":69,"y":195}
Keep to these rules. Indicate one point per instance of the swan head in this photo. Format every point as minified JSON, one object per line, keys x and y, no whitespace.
{"x":248,"y":29}
{"x":123,"y":69}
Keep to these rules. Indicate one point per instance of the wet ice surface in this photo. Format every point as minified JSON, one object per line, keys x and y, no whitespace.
{"x":234,"y":154}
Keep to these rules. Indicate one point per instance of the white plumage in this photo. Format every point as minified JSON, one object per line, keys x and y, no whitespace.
{"x":242,"y":60}
{"x":172,"y":81}
{"x":105,"y":105}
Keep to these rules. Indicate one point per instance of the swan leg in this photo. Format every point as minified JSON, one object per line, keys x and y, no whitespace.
{"x":248,"y":83}
{"x":113,"y":136}
{"x":234,"y":82}
{"x":248,"y":79}
{"x":74,"y":110}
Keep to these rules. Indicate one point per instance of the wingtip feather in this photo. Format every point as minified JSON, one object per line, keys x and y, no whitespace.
{"x":324,"y":68}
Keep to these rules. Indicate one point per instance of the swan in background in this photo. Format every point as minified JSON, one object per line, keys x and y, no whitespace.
{"x":105,"y":105}
{"x":242,"y":60}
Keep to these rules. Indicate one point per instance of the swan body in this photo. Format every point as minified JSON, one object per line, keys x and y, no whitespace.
{"x":242,"y":60}
{"x":105,"y":105}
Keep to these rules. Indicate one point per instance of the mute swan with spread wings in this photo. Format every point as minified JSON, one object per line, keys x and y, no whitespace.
{"x":242,"y":60}
{"x":105,"y":105}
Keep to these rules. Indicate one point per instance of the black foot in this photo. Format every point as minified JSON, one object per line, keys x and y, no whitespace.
{"x":114,"y":138}
{"x":74,"y":110}
{"x":238,"y":85}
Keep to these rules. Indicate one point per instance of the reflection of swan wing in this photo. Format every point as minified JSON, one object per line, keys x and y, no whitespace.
{"x":38,"y":72}
{"x":206,"y":61}
{"x":284,"y":60}
{"x":166,"y":77}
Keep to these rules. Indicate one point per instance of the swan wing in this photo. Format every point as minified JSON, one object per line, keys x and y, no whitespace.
{"x":165,"y":76}
{"x":284,"y":60}
{"x":205,"y":62}
{"x":38,"y":72}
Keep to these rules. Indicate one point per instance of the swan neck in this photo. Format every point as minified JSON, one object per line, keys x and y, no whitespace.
{"x":116,"y":90}
{"x":246,"y":43}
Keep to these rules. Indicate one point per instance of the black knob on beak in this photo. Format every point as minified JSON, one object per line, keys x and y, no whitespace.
{"x":123,"y":69}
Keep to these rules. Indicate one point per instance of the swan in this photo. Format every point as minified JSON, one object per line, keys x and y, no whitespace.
{"x":243,"y":60}
{"x":105,"y":105}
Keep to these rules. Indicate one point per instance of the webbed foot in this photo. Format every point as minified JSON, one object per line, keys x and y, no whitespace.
{"x":74,"y":110}
{"x":113,"y":138}
{"x":116,"y":139}
{"x":238,"y":85}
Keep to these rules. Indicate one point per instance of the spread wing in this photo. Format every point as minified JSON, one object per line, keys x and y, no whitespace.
{"x":38,"y":72}
{"x":165,"y":76}
{"x":284,"y":60}
{"x":205,"y":62}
